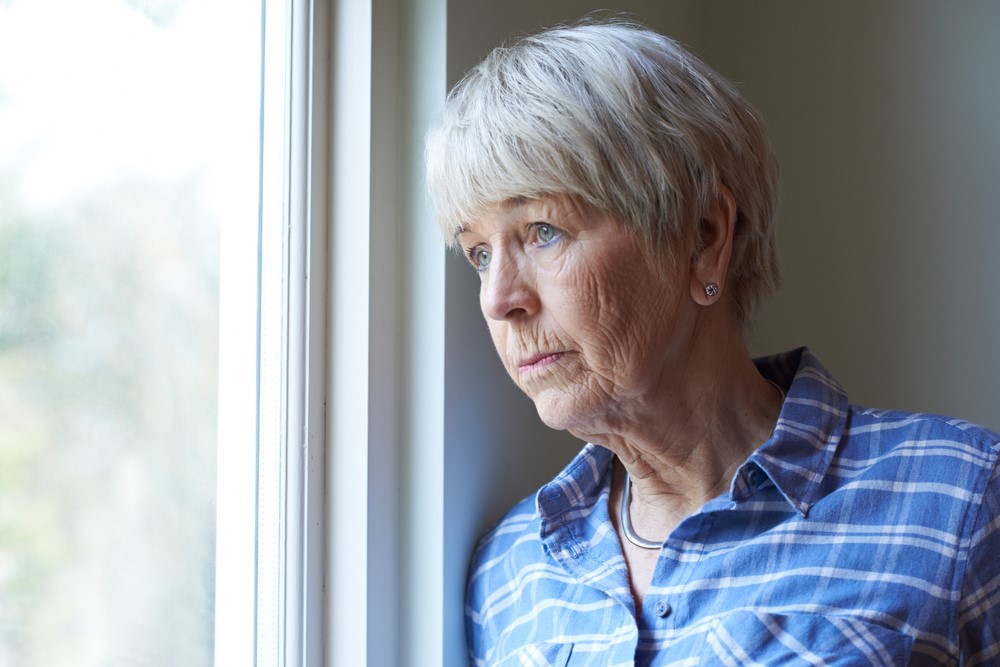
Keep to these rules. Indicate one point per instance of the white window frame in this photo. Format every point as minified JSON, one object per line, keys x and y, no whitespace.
{"x":362,"y":371}
{"x":385,"y":468}
{"x":289,"y":620}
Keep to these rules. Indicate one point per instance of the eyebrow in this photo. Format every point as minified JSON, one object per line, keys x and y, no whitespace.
{"x":515,"y":202}
{"x":508,"y":203}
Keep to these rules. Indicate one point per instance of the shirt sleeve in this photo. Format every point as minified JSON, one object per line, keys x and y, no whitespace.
{"x":979,"y":609}
{"x":475,"y":597}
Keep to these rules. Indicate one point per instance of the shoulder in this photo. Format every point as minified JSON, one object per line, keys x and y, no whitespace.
{"x":513,"y":572}
{"x":928,"y":468}
{"x":509,"y":560}
{"x":515,"y":547}
{"x":492,"y":576}
{"x":517,"y":531}
{"x":922,"y":436}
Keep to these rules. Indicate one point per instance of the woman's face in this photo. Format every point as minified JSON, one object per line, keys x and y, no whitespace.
{"x":582,"y":323}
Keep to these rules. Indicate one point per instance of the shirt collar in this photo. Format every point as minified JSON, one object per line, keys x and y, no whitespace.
{"x":577,"y":487}
{"x":812,"y":420}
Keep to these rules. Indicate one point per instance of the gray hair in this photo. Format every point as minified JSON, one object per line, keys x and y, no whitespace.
{"x":622,"y":119}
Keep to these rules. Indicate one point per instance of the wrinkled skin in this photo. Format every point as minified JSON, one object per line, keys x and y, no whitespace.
{"x":614,"y":328}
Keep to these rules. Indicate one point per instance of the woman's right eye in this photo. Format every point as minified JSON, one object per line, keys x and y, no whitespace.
{"x":480,"y":257}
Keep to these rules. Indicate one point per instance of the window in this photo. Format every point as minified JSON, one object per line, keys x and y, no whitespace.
{"x":222,"y":336}
{"x":128,"y":205}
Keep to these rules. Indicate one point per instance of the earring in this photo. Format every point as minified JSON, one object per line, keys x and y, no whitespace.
{"x":711,"y":289}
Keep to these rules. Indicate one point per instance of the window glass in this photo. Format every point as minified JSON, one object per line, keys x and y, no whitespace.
{"x":128,"y":160}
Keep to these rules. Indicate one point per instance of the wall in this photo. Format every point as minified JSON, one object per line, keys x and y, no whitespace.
{"x":883,"y":116}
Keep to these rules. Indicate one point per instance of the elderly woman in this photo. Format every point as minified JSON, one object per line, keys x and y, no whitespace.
{"x":616,"y":197}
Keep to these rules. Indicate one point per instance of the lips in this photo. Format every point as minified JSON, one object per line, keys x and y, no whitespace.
{"x":538,"y":361}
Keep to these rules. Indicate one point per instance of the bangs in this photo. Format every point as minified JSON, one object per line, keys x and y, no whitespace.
{"x":476,"y":157}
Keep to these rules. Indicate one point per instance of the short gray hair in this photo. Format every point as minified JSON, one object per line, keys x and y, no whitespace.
{"x":621,"y":118}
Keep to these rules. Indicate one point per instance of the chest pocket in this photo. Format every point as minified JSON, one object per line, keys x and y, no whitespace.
{"x":538,"y":655}
{"x":757,"y":638}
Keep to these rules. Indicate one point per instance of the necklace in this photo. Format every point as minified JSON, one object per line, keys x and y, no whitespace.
{"x":630,"y":534}
{"x":626,"y":515}
{"x":781,"y":395}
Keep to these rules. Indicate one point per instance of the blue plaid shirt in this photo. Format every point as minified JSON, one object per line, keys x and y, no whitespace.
{"x":851,"y":537}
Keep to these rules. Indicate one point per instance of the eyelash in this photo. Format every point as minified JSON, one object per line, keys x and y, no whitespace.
{"x":471,"y":256}
{"x":471,"y":253}
{"x":556,"y":233}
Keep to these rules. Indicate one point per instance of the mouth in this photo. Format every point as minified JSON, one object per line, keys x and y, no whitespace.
{"x":539,"y":361}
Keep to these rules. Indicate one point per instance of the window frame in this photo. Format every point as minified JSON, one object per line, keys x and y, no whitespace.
{"x":360,"y":367}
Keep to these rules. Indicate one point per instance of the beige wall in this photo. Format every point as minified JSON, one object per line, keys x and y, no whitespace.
{"x":884,"y":119}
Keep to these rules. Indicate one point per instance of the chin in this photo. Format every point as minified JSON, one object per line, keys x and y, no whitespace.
{"x":561,"y":412}
{"x":555,"y":422}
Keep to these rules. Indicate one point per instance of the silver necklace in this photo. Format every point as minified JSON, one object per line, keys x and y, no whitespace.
{"x":630,"y":533}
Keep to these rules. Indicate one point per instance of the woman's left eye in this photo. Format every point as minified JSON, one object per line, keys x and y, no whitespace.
{"x":546,"y":233}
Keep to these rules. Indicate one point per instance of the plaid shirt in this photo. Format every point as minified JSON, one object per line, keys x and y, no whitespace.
{"x":851,"y":537}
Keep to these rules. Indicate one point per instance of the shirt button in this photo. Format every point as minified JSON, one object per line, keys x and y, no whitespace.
{"x":754,"y":477}
{"x":662,"y":609}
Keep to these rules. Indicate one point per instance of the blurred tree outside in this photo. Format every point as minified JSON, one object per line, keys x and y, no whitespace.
{"x":108,"y":344}
{"x":109,"y":320}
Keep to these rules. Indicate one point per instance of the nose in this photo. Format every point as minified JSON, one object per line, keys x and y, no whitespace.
{"x":508,"y":289}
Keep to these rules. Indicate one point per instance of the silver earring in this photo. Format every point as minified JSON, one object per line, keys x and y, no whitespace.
{"x":711,"y":289}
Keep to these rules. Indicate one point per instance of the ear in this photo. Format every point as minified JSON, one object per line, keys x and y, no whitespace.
{"x":713,"y":247}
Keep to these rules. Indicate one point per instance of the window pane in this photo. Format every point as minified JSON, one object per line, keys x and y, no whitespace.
{"x":128,"y":155}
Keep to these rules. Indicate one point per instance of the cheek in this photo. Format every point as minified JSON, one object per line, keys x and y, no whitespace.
{"x":605,"y":303}
{"x":626,"y":314}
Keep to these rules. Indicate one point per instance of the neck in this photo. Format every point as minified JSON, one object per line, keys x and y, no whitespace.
{"x":682,"y":441}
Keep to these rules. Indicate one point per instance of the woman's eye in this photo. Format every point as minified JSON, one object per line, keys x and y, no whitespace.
{"x":546,"y":233}
{"x":480,"y":257}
